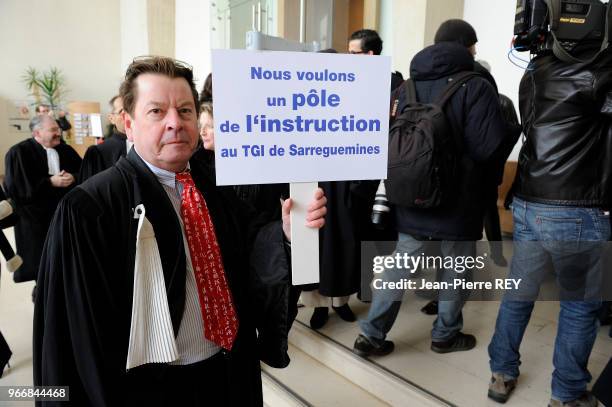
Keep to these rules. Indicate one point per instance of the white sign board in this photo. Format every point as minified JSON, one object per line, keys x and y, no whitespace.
{"x":299,"y":117}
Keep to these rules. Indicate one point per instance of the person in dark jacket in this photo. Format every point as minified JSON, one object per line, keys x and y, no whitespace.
{"x":474,"y":115}
{"x":491,"y":221}
{"x":461,"y":32}
{"x":561,"y":200}
{"x":368,"y":42}
{"x":102,"y":156}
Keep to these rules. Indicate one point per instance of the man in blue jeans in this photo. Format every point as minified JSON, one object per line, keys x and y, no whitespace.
{"x":474,"y":115}
{"x":446,"y":333}
{"x":562,"y":194}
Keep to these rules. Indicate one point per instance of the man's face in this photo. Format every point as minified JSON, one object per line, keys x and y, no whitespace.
{"x":207,"y":131}
{"x":49,"y":134}
{"x":354,"y":47}
{"x":42,"y":110}
{"x":472,"y":50}
{"x":116,"y":116}
{"x":164,"y":125}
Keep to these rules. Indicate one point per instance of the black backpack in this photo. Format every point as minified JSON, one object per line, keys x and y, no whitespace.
{"x":423,"y":149}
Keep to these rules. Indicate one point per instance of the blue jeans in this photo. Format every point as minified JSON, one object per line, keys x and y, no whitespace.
{"x":546,"y":235}
{"x":386,"y":303}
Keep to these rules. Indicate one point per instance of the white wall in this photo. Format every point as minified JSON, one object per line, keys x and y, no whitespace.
{"x":133,"y":28}
{"x":193,"y":39}
{"x":385,"y":29}
{"x":494,"y":25}
{"x":80,"y":38}
{"x":407,"y":26}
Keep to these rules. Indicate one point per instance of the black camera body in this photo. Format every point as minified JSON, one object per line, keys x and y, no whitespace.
{"x":569,"y":22}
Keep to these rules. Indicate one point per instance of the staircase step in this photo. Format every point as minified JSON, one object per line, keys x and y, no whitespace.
{"x":374,"y":379}
{"x":276,"y":394}
{"x":314,"y":384}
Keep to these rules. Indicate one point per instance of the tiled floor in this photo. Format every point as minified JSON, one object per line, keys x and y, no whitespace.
{"x":462,"y":377}
{"x":16,"y":313}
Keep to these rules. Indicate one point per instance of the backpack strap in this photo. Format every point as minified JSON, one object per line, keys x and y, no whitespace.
{"x":409,"y":89}
{"x":455,"y":83}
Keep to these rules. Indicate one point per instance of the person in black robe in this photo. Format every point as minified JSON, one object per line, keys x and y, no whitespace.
{"x":339,"y":256}
{"x":36,"y":188}
{"x":102,"y":156}
{"x":86,"y":309}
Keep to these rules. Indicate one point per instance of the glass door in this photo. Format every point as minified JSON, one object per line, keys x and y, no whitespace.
{"x":232,"y":19}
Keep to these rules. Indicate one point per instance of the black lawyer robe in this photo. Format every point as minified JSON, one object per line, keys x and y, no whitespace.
{"x":339,"y":243}
{"x":27,"y":182}
{"x":83,"y":311}
{"x":102,"y":156}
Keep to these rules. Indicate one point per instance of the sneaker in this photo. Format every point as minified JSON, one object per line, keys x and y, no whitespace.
{"x":345,"y":312}
{"x":587,"y":400}
{"x":364,"y":347}
{"x":459,"y":343}
{"x":319,"y":318}
{"x":500,"y":389}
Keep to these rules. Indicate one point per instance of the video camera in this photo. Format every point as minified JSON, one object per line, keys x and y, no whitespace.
{"x":560,"y":25}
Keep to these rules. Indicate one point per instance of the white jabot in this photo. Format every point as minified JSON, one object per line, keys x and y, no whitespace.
{"x":53,"y":161}
{"x":150,"y":305}
{"x":151,"y":332}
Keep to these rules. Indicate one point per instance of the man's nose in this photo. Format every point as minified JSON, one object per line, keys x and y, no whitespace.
{"x":173,"y":120}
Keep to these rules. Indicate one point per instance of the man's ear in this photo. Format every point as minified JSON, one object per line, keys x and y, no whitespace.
{"x":129,"y":123}
{"x":370,"y":52}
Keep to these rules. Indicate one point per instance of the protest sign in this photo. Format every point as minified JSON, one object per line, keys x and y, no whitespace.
{"x":299,"y":117}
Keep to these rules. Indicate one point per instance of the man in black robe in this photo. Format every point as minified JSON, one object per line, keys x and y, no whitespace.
{"x":39,"y":172}
{"x":86,"y":331}
{"x":100,"y":157}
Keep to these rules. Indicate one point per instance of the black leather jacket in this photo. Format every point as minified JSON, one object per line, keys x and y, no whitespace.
{"x":566,"y":110}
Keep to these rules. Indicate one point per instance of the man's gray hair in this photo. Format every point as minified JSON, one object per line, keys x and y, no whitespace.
{"x":37,"y":122}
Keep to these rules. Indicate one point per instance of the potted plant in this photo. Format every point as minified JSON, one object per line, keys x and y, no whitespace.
{"x":45,"y":87}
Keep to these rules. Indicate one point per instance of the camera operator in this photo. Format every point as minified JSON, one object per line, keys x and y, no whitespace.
{"x":561,"y":200}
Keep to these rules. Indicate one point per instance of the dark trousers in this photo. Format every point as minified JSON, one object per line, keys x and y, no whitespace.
{"x":204,"y":383}
{"x":491,"y":223}
{"x":603,"y":386}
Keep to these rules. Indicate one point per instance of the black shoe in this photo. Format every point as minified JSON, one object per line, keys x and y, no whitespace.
{"x":346,"y":313}
{"x":500,"y":261}
{"x":364,"y":347}
{"x":459,"y":343}
{"x":319,"y":317}
{"x":431,"y":308}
